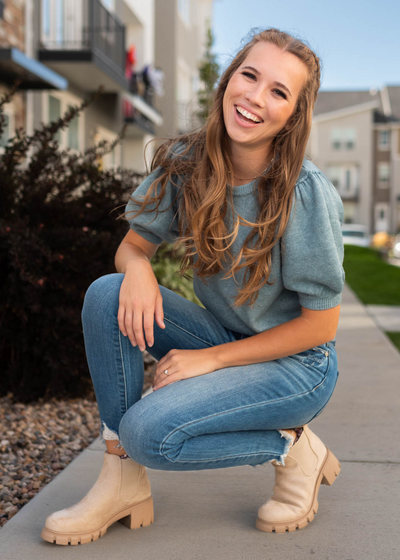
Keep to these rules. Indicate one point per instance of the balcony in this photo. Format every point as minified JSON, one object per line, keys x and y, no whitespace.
{"x":30,"y":73}
{"x":138,"y":110}
{"x":85,"y":43}
{"x":349,"y":195}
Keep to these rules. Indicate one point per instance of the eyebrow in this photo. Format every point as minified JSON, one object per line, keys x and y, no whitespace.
{"x":277,"y":83}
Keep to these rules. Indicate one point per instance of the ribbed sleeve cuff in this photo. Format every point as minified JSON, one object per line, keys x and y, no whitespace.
{"x":319,"y":304}
{"x":146,"y":234}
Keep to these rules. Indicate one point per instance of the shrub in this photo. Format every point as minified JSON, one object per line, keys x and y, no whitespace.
{"x":58,"y":233}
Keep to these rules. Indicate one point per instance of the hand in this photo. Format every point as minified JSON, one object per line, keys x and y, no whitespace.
{"x":140,"y":302}
{"x":182,"y":364}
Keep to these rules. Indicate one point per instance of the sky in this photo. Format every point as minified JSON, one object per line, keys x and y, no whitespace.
{"x":357,"y":40}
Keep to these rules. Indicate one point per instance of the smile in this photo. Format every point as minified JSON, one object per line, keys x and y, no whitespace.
{"x":243,"y":120}
{"x":246,"y":116}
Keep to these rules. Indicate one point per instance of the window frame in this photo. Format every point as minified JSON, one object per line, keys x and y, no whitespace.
{"x":341,"y":171}
{"x":341,"y":137}
{"x":66,"y":98}
{"x":386,"y":183}
{"x":9,"y":112}
{"x":384,"y":146}
{"x":184,"y":12}
{"x":108,"y":161}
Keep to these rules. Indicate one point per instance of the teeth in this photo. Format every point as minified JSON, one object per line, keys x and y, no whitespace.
{"x":247,"y":114}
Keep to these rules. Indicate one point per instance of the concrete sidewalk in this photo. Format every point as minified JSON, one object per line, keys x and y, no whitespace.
{"x":211,"y":514}
{"x":387,"y":317}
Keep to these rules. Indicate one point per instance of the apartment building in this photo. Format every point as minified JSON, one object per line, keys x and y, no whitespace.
{"x":18,"y":62}
{"x":355,"y":141}
{"x":80,"y":45}
{"x":180,"y":35}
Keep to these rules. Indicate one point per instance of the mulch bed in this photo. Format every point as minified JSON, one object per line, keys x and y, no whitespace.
{"x":38,"y":440}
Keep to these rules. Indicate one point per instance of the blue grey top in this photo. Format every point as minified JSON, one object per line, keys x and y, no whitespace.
{"x":306,"y":262}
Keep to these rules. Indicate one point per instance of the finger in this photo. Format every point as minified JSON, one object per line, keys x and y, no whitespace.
{"x":160,"y":373}
{"x":161,"y":363}
{"x":121,"y":320}
{"x":138,"y":329}
{"x":129,"y":326}
{"x":168,"y":379}
{"x":159,"y":312}
{"x":148,"y":323}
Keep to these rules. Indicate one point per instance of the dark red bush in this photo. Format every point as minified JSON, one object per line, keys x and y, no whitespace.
{"x":58,"y":232}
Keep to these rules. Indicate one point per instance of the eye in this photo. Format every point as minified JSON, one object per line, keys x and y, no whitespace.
{"x":249,"y":75}
{"x":281,"y":93}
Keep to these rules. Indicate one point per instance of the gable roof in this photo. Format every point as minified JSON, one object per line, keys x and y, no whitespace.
{"x":328,"y":101}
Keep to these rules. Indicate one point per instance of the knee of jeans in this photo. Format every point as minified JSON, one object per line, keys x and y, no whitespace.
{"x":100,"y":292}
{"x":137,"y":437}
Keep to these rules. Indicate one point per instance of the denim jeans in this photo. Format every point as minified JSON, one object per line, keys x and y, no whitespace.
{"x":232,"y":416}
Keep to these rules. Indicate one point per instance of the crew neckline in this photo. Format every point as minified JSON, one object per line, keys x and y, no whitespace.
{"x":241,"y":190}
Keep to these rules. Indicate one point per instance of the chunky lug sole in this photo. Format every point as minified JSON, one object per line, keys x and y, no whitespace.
{"x":138,"y":515}
{"x":329,"y":471}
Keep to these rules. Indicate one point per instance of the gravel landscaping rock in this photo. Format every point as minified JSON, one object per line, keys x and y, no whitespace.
{"x":39,"y":439}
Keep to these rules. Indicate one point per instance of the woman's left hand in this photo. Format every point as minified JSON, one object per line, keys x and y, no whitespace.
{"x":182,"y":364}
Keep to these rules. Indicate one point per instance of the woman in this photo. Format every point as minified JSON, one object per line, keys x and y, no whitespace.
{"x":238,"y":380}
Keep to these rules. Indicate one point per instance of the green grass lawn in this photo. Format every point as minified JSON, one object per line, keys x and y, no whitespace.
{"x":373,"y":280}
{"x":395,"y":338}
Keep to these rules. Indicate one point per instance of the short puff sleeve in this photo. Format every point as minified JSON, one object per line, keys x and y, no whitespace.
{"x":152,"y":227}
{"x":312,"y":244}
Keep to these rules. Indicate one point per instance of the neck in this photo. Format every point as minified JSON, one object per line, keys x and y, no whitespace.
{"x":248,"y":163}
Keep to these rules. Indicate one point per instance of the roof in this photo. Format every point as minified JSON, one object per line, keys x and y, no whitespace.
{"x":380,"y":118}
{"x":328,"y":101}
{"x":394,"y":97}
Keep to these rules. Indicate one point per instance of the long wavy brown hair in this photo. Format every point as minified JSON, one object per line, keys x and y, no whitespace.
{"x":202,"y":165}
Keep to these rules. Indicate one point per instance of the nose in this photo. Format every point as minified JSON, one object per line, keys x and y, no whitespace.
{"x":256,"y":96}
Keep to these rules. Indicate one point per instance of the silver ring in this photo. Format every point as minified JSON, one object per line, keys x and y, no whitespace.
{"x":166,"y":372}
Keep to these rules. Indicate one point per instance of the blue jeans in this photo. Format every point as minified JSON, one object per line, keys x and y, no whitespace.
{"x":230,"y":417}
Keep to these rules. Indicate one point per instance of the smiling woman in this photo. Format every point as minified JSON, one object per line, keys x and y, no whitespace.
{"x":238,"y":380}
{"x":261,"y":95}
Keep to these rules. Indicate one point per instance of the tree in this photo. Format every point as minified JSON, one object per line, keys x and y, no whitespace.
{"x":209,"y":74}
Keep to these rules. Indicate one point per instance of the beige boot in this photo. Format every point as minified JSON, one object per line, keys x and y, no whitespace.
{"x":121,"y":493}
{"x":294,"y":502}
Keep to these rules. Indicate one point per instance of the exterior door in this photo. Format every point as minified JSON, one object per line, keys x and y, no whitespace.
{"x":382,"y":217}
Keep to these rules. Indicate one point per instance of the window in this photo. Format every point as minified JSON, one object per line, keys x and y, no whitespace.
{"x":109,"y":4}
{"x":349,"y":135}
{"x":383,"y":175}
{"x":55,"y":106}
{"x":55,"y":113}
{"x":334,"y":174}
{"x":184,"y":10}
{"x":336,"y":138}
{"x":6,"y":132}
{"x":344,"y":178}
{"x":349,"y":212}
{"x":384,"y":139}
{"x":73,"y":129}
{"x":114,"y":158}
{"x":343,"y":138}
{"x":46,"y":17}
{"x":347,"y":182}
{"x":59,"y":22}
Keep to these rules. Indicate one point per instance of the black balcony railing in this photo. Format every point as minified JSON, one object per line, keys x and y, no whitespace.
{"x":100,"y":31}
{"x":107,"y":33}
{"x":141,"y":87}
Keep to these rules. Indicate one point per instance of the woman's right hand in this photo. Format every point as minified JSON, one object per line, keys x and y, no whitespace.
{"x":140,"y":301}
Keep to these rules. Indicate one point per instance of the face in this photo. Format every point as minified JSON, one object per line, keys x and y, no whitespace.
{"x":262,"y":94}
